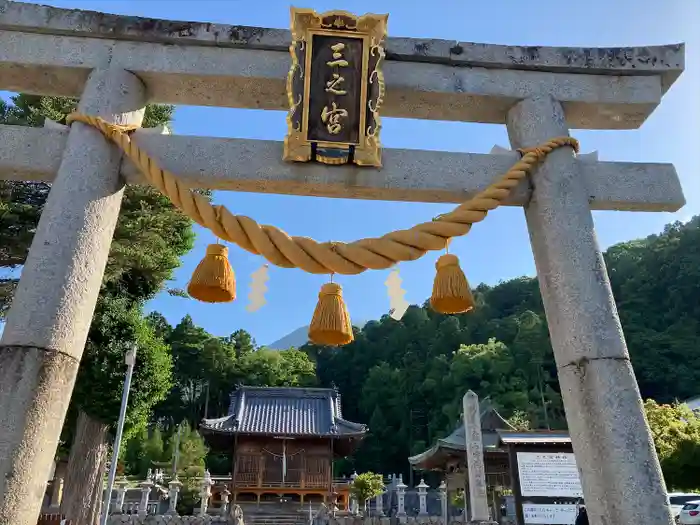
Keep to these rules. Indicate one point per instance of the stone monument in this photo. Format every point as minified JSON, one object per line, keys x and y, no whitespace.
{"x":478,"y":499}
{"x":537,"y":92}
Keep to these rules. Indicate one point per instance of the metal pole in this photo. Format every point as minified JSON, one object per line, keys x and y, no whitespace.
{"x":130,"y":360}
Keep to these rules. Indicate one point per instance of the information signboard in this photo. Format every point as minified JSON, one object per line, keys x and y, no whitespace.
{"x":549,"y":474}
{"x":549,"y":514}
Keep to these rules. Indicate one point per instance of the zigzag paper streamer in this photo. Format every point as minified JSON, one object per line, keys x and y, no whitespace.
{"x":397,"y":304}
{"x":256,"y":297}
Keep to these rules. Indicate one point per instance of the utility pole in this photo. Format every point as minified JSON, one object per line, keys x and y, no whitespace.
{"x":130,"y":360}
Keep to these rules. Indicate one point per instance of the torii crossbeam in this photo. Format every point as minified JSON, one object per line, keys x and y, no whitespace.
{"x":117,"y":64}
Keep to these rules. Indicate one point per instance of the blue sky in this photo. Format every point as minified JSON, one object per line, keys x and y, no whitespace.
{"x":495,"y":250}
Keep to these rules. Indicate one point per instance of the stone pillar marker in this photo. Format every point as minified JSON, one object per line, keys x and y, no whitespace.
{"x":379,"y":502}
{"x":173,"y":492}
{"x":121,"y":496}
{"x":48,"y":321}
{"x":422,"y":498}
{"x":145,"y":493}
{"x":224,"y":501}
{"x":354,"y":504}
{"x":620,"y":472}
{"x":57,"y":487}
{"x":401,"y":500}
{"x":478,"y":501}
{"x":443,"y":501}
{"x":205,"y":493}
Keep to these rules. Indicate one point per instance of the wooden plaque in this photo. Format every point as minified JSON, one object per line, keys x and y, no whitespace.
{"x":335,"y":88}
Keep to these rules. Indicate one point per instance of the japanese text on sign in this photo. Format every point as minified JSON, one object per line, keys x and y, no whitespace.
{"x":336,"y":88}
{"x":549,"y":514}
{"x":549,"y":474}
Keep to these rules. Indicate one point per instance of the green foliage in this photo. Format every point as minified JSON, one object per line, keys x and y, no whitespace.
{"x":98,"y":390}
{"x":192,"y":449}
{"x":207,"y":368}
{"x":149,"y":449}
{"x":150,"y":237}
{"x":189,"y":492}
{"x":406,"y":378}
{"x":458,"y":499}
{"x":367,"y":485}
{"x":519,"y":421}
{"x":676,"y":432}
{"x":143,"y":451}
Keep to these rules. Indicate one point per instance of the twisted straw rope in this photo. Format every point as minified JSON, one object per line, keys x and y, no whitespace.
{"x":326,"y":257}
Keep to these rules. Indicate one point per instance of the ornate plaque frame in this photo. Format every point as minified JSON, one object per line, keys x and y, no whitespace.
{"x":371,"y":31}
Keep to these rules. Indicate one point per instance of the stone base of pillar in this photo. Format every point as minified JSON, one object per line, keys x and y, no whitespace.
{"x":477,"y":522}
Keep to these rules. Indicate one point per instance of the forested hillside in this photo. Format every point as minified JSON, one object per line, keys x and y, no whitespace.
{"x":403,"y":378}
{"x":406,"y":378}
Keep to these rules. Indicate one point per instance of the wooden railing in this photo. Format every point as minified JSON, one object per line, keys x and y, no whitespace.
{"x":52,"y":519}
{"x":251,"y":481}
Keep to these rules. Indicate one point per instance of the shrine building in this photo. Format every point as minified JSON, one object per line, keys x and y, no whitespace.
{"x":283,"y":442}
{"x":501,"y":444}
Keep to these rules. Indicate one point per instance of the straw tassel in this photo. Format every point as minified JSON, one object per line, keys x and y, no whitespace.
{"x":213,"y":281}
{"x":331,"y":323}
{"x":451,"y":292}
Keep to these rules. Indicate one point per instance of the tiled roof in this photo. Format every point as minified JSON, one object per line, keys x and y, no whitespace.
{"x":491,"y":424}
{"x":495,"y":431}
{"x":535,"y":438}
{"x":284,"y":412}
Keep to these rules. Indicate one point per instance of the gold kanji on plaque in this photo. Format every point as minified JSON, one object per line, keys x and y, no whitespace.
{"x":335,"y":87}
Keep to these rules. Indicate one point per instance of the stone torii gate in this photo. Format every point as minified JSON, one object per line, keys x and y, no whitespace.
{"x":116,"y":64}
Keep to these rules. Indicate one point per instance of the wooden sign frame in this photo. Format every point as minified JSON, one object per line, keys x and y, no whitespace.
{"x":348,"y":89}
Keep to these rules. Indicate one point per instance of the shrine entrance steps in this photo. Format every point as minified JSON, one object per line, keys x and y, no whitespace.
{"x":275,"y":514}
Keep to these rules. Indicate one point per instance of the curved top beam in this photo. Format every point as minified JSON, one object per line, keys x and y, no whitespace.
{"x":666,"y":61}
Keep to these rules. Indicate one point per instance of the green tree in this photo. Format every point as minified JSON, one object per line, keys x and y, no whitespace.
{"x":144,"y":450}
{"x":676,"y":432}
{"x":206,"y":369}
{"x":97,"y":397}
{"x":138,"y":245}
{"x":406,"y":378}
{"x":189,"y":447}
{"x":365,"y":486}
{"x":150,"y":237}
{"x":519,"y":421}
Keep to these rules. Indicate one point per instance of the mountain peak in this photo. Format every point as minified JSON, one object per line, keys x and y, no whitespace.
{"x":299,"y":337}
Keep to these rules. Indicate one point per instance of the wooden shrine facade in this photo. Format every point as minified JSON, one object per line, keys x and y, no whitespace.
{"x":501,"y":445}
{"x":284,"y":441}
{"x":449,"y":454}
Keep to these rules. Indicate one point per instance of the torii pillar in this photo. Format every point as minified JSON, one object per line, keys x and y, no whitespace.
{"x":51,"y":312}
{"x":53,"y":51}
{"x":615,"y":454}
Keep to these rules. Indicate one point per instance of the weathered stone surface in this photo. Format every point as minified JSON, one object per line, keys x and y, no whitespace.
{"x":132,"y":519}
{"x":53,"y":305}
{"x":620,"y":471}
{"x":50,"y":51}
{"x":59,"y":65}
{"x":407,"y":175}
{"x":35,"y":388}
{"x":664,"y":60}
{"x":478,"y":500}
{"x":55,"y":298}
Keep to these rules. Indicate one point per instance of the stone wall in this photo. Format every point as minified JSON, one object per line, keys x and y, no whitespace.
{"x":132,"y":519}
{"x":124,"y":519}
{"x":409,"y":520}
